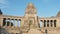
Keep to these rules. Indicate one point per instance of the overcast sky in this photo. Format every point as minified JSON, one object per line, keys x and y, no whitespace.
{"x":45,"y":8}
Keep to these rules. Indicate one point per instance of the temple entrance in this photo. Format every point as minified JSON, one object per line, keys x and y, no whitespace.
{"x":31,"y":23}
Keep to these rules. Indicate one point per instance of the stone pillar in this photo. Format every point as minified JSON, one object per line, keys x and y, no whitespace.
{"x":10,"y":22}
{"x":35,"y":21}
{"x":14,"y":22}
{"x":6,"y":22}
{"x":43,"y":23}
{"x":22,"y":22}
{"x":39,"y":23}
{"x":53,"y":23}
{"x":1,"y":21}
{"x":46,"y":23}
{"x":19,"y":22}
{"x":49,"y":23}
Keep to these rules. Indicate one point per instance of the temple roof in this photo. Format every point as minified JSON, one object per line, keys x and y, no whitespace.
{"x":58,"y":14}
{"x":30,"y":5}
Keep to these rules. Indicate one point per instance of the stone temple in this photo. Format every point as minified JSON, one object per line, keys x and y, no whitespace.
{"x":30,"y":23}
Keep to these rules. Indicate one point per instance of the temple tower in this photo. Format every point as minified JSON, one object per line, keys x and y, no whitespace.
{"x":30,"y":15}
{"x":30,"y":10}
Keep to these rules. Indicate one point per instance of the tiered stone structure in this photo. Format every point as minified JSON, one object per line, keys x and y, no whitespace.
{"x":30,"y":23}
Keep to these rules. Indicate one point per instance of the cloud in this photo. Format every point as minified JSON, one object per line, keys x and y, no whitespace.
{"x":3,"y":3}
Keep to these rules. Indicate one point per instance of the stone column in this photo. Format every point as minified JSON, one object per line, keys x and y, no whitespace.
{"x":10,"y":22}
{"x":36,"y":22}
{"x":14,"y":22}
{"x":19,"y":22}
{"x":1,"y":21}
{"x":6,"y":21}
{"x":39,"y":23}
{"x":43,"y":23}
{"x":46,"y":23}
{"x":53,"y":23}
{"x":49,"y":23}
{"x":22,"y":22}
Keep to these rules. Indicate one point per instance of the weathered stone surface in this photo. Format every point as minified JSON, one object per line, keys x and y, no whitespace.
{"x":30,"y":23}
{"x":58,"y":14}
{"x":3,"y":31}
{"x":34,"y":31}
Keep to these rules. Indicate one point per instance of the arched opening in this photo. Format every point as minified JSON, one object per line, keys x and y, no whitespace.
{"x":17,"y":22}
{"x":4,"y":21}
{"x":51,"y":23}
{"x":41,"y":23}
{"x":54,"y":23}
{"x":11,"y":22}
{"x":30,"y":23}
{"x":47,"y":23}
{"x":7,"y":22}
{"x":44,"y":23}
